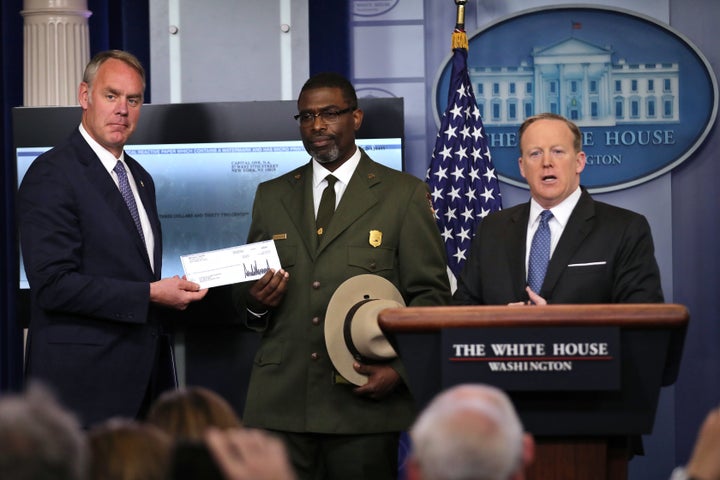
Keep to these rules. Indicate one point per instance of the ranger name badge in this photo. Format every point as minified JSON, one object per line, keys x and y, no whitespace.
{"x":375,"y":238}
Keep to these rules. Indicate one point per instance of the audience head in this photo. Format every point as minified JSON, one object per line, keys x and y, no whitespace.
{"x":123,"y":449}
{"x":39,"y":440}
{"x":186,"y":413}
{"x":469,"y":432}
{"x":192,"y":460}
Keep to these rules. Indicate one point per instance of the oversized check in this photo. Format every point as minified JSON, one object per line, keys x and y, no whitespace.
{"x":231,"y":265}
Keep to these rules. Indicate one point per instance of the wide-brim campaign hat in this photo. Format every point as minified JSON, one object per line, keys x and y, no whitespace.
{"x":352,"y":332}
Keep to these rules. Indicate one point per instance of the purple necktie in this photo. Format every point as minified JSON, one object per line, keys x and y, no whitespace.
{"x":127,"y":194}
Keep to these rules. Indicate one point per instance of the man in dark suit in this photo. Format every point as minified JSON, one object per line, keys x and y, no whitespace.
{"x":93,"y":257}
{"x":383,"y":225}
{"x":598,"y":253}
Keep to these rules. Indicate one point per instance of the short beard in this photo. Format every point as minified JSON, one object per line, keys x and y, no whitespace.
{"x":332,"y":155}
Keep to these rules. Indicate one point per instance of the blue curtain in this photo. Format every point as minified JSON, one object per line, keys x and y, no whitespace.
{"x":11,"y":25}
{"x":122,"y":25}
{"x":329,"y":38}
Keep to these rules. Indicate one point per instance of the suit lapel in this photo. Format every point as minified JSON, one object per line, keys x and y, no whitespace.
{"x":298,"y":205}
{"x":103,"y":182}
{"x":515,"y":242}
{"x":579,"y":226}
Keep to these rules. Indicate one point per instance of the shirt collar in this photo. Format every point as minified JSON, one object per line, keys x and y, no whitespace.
{"x":108,"y":159}
{"x":561,"y":212}
{"x":343,"y":173}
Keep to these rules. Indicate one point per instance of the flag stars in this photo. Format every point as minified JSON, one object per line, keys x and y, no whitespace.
{"x":450,"y":214}
{"x":470,"y":194}
{"x":477,"y":133}
{"x":489,"y":174}
{"x":460,"y":254}
{"x":441,"y":173}
{"x":488,"y":194}
{"x":464,"y":234}
{"x":446,"y":152}
{"x":450,"y":132}
{"x":454,"y":195}
{"x":468,"y":214}
{"x":460,"y":194}
{"x":461,"y":153}
{"x":437,"y":194}
{"x":456,"y":111}
{"x":458,"y":173}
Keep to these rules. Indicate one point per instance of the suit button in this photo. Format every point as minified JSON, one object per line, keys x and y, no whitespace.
{"x":314,"y":356}
{"x":316,"y":320}
{"x":373,"y":265}
{"x":316,"y":285}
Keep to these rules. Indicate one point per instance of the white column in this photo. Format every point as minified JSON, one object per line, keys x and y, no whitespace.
{"x":56,"y":50}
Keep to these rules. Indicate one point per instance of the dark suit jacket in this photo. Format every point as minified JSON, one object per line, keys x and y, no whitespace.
{"x":605,"y":255}
{"x":291,"y":386}
{"x":92,"y":328}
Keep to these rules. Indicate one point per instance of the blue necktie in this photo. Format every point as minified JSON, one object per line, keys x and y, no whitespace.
{"x":539,"y":253}
{"x":127,"y":194}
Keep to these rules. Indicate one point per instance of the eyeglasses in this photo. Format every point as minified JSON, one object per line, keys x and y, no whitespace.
{"x":327,"y":116}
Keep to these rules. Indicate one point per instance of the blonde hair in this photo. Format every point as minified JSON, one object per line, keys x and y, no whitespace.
{"x":122,"y":449}
{"x":577,"y":136}
{"x":186,"y":413}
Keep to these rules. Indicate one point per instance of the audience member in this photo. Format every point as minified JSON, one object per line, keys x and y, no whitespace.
{"x":39,"y":439}
{"x":249,"y":454}
{"x":123,"y":449}
{"x":186,"y":413}
{"x":191,"y":460}
{"x":469,"y":432}
{"x":704,"y":463}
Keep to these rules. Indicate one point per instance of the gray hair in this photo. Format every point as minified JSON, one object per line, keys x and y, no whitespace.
{"x":469,"y":432}
{"x":94,"y":65}
{"x":39,"y":440}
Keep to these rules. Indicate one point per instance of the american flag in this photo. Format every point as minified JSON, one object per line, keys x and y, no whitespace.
{"x":463,"y":183}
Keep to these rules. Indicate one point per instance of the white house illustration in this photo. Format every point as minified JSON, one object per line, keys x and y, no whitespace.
{"x":578,"y":80}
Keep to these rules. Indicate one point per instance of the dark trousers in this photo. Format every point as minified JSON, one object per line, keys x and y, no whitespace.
{"x":317,"y":456}
{"x":163,"y":376}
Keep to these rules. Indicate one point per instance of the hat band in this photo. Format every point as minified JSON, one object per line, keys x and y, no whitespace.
{"x":347,"y":331}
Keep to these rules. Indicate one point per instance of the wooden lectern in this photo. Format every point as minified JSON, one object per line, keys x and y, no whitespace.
{"x":582,"y":432}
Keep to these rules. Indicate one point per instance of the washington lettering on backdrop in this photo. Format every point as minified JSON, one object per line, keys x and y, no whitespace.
{"x":534,"y":358}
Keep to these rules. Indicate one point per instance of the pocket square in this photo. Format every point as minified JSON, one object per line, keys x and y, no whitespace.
{"x":587,"y":264}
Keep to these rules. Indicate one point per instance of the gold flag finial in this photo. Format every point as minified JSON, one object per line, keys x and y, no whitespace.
{"x":460,"y":22}
{"x":459,"y":38}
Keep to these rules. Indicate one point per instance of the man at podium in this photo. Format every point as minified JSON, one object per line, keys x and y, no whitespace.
{"x":561,"y":246}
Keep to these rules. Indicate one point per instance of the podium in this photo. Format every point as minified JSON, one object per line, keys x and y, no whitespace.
{"x":585,"y":379}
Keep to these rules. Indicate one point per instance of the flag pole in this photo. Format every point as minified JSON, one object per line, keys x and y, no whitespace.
{"x":459,"y":38}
